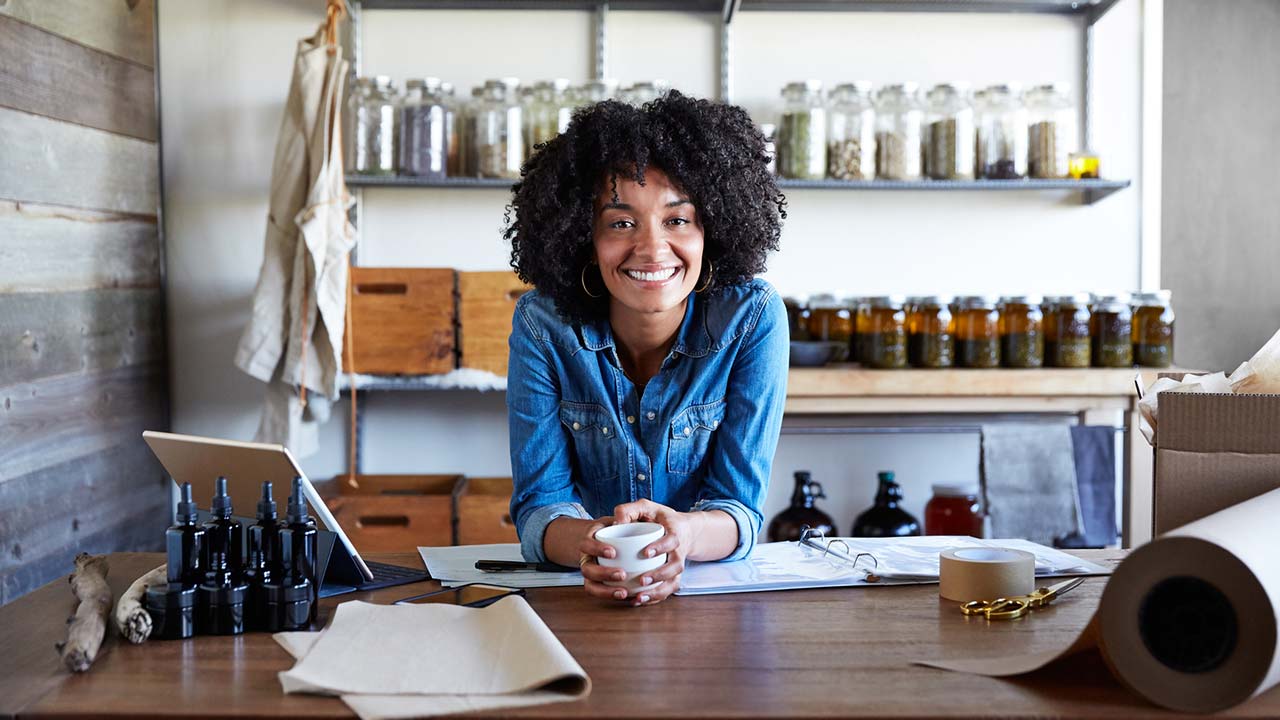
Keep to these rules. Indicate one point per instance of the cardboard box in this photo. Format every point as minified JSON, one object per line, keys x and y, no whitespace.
{"x":1213,"y":451}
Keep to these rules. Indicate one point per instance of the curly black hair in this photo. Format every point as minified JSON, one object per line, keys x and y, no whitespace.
{"x":711,"y":151}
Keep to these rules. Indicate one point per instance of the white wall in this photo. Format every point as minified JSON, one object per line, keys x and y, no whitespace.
{"x":226,"y":72}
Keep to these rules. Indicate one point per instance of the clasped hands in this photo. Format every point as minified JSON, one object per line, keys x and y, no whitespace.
{"x":681,"y":534}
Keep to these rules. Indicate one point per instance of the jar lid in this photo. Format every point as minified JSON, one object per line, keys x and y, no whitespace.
{"x":802,"y":86}
{"x":976,"y":301}
{"x":1111,"y":298}
{"x":1002,"y":89}
{"x":907,"y":87}
{"x":959,"y":88}
{"x":825,"y":301}
{"x":1158,"y":298}
{"x":889,"y":301}
{"x":364,"y":82}
{"x":446,"y":88}
{"x":857,"y":87}
{"x":606,"y":87}
{"x":1072,"y":299}
{"x":1057,"y":87}
{"x":1021,"y":299}
{"x":956,"y":490}
{"x":382,"y":82}
{"x":939,"y":300}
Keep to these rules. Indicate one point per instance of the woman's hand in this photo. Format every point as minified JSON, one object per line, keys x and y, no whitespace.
{"x":681,"y":535}
{"x":594,"y":574}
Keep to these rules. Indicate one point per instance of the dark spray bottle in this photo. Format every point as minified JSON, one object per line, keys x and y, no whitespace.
{"x":222,"y":595}
{"x":264,"y":559}
{"x":184,"y":543}
{"x":298,"y":547}
{"x":224,"y":534}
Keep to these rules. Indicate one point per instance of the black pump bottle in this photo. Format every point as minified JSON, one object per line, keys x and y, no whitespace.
{"x":263,"y":566}
{"x":298,"y":546}
{"x":224,"y":535}
{"x":184,"y":544}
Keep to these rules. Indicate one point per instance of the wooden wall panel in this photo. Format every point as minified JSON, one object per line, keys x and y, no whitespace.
{"x":49,"y":248}
{"x":47,"y":334}
{"x":49,"y":75}
{"x":121,"y":27}
{"x":50,"y":161}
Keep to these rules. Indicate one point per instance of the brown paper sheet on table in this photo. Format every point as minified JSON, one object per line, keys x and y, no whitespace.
{"x":402,"y":661}
{"x":1232,"y":551}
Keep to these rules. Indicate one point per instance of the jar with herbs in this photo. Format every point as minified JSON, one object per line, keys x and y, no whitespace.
{"x":886,"y":343}
{"x":899,"y":132}
{"x":643,"y":92}
{"x":860,"y":308}
{"x":375,"y":127}
{"x":977,"y":332}
{"x":594,"y":91}
{"x":802,"y":133}
{"x":1153,"y":328}
{"x":1111,"y":327}
{"x":1002,"y":134}
{"x":1066,"y":331}
{"x":454,"y":150}
{"x":827,"y":319}
{"x":930,"y":332}
{"x":949,"y":133}
{"x":424,"y":134}
{"x":1021,"y":334}
{"x":1051,"y":132}
{"x":548,"y":112}
{"x":851,"y":135}
{"x":498,"y":141}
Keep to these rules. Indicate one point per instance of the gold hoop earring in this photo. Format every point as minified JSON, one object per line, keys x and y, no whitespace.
{"x":583,"y":277}
{"x":711,"y":271}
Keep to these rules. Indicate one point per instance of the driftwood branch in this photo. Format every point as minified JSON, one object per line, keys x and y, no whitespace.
{"x":87,"y":627}
{"x":131,"y":616}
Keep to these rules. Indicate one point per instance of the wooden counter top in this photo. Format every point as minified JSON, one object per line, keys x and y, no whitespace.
{"x":850,"y":380}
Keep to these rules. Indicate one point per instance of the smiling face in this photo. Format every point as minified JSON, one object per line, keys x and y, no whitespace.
{"x":648,"y":243}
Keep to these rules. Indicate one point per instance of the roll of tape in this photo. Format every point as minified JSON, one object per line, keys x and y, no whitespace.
{"x":986,"y":573}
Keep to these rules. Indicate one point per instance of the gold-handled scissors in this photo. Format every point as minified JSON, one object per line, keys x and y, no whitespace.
{"x":1019,"y":605}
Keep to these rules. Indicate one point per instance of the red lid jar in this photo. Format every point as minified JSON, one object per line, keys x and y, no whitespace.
{"x":954,"y":509}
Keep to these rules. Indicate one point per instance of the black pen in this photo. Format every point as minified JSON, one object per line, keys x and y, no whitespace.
{"x":512,"y":566}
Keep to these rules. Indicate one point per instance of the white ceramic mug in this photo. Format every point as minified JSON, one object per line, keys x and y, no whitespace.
{"x":629,"y":539}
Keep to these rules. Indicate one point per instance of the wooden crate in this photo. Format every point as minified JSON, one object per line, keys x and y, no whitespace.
{"x":486,"y":301}
{"x":481,"y":509}
{"x":402,"y":321}
{"x":395,"y":513}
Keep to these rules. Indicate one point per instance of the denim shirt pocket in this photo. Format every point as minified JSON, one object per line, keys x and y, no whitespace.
{"x":692,"y":431}
{"x":595,"y":440}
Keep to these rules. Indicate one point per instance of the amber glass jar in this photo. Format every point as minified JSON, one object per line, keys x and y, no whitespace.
{"x":1021,"y":333}
{"x":794,"y":309}
{"x":861,"y":308}
{"x":1066,"y":331}
{"x":886,"y":343}
{"x":1111,"y":329}
{"x":826,"y":319}
{"x":931,"y":332}
{"x":855,"y":342}
{"x":1153,"y":329}
{"x":953,"y":510}
{"x":977,"y":332}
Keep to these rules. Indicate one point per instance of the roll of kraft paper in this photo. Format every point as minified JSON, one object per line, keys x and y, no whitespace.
{"x":966,"y":574}
{"x":1189,"y":621}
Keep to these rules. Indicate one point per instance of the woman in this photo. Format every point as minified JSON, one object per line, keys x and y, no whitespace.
{"x":648,"y":368}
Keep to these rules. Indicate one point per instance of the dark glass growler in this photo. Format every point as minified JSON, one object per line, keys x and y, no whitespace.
{"x":885,"y":518}
{"x":786,"y":524}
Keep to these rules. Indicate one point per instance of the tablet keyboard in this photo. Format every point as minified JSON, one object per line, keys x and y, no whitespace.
{"x":386,"y":575}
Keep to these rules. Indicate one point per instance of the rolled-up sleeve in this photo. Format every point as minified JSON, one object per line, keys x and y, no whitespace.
{"x":541,"y":470}
{"x":738,"y":471}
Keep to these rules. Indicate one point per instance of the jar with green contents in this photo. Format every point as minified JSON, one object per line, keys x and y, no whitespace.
{"x":1021,"y":334}
{"x":802,"y":132}
{"x":949,"y":133}
{"x":548,"y":112}
{"x":1066,"y":331}
{"x":861,"y":329}
{"x":1111,"y":328}
{"x":977,"y":332}
{"x":930,"y":332}
{"x":886,"y":344}
{"x":829,"y":320}
{"x":1153,"y":328}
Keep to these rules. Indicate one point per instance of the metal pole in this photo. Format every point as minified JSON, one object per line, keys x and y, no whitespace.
{"x":602,"y":40}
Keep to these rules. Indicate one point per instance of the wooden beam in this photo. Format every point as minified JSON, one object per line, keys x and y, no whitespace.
{"x":48,"y":248}
{"x":48,"y":75}
{"x":60,"y":163}
{"x":48,"y":334}
{"x":855,"y":382}
{"x":124,"y":28}
{"x":53,"y":421}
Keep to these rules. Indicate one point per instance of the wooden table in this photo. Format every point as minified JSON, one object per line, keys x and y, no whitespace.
{"x":809,"y":653}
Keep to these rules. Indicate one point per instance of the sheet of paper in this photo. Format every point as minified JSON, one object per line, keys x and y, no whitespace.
{"x":898,"y":561}
{"x":456,"y":565}
{"x":371,"y":655}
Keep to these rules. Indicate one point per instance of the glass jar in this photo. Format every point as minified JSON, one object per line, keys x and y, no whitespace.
{"x":787,"y":525}
{"x":644,"y":92}
{"x":794,"y":310}
{"x":1002,"y":134}
{"x":899,"y":118}
{"x":498,"y":141}
{"x":375,"y":127}
{"x":1084,"y":165}
{"x":802,"y":133}
{"x":594,"y":91}
{"x":860,"y":307}
{"x":1021,"y":334}
{"x":1111,"y":327}
{"x":828,"y":320}
{"x":424,"y":134}
{"x":851,"y":134}
{"x":886,"y":343}
{"x":770,"y":133}
{"x":547,"y":114}
{"x":954,"y":510}
{"x":977,"y":332}
{"x":949,"y":135}
{"x":1051,"y":131}
{"x":1153,"y":329}
{"x":930,"y":332}
{"x":1066,"y":332}
{"x":885,"y":518}
{"x":455,"y":152}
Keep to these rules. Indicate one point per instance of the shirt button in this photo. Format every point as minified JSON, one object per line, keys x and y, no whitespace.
{"x":576,"y":426}
{"x":651,"y":414}
{"x":640,"y":477}
{"x":688,"y":431}
{"x":604,"y":430}
{"x":631,"y":419}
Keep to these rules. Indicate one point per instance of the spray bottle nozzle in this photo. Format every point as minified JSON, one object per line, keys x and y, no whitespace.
{"x":297,"y":505}
{"x":186,"y":506}
{"x":267,"y":505}
{"x":221,"y":501}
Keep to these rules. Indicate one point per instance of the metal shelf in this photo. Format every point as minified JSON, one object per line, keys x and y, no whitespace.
{"x":409,"y":181}
{"x":1056,"y":7}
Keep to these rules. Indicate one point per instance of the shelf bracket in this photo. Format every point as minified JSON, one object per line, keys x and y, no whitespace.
{"x":602,"y":39}
{"x":726,"y":49}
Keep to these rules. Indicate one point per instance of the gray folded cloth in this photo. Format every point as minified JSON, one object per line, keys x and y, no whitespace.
{"x":1094,"y":447}
{"x":1029,"y":475}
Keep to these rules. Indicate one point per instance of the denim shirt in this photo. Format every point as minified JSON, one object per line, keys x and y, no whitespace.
{"x":702,"y":436}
